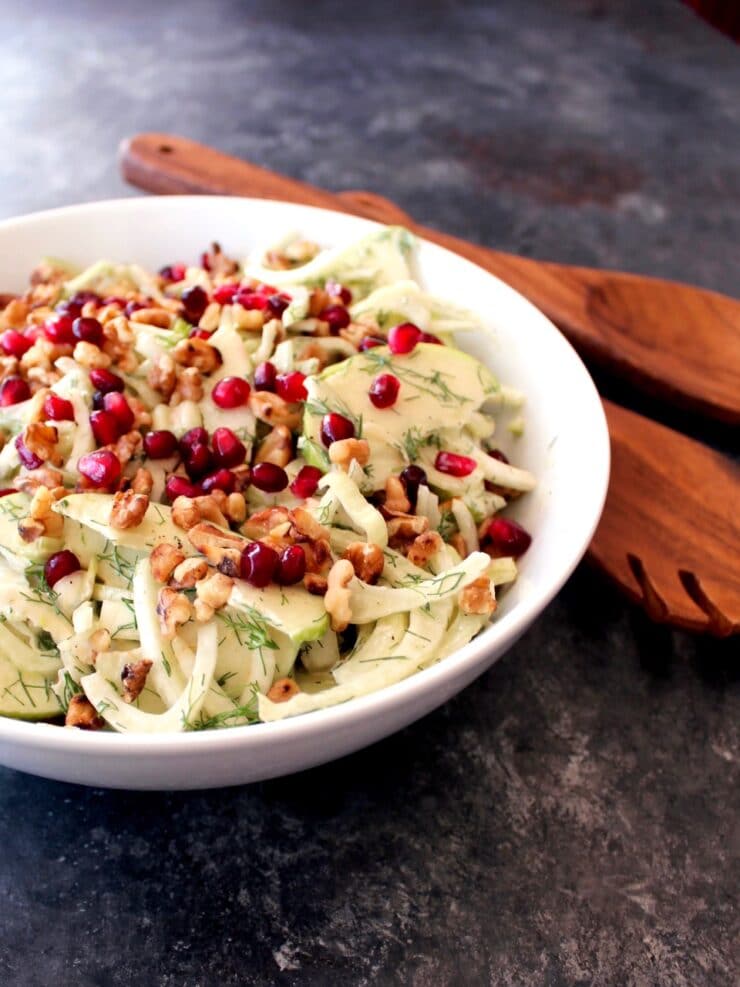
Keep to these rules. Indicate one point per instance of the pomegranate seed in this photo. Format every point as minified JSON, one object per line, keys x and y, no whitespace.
{"x":453,"y":464}
{"x":335,"y":427}
{"x":251,"y":299}
{"x":205,"y":260}
{"x":277,"y":304}
{"x":160,"y":444}
{"x":498,"y":454}
{"x":14,"y":343}
{"x":97,"y":400}
{"x":412,"y":478}
{"x":102,"y":468}
{"x":29,"y":459}
{"x":117,"y":404}
{"x":7,"y":491}
{"x":199,"y":461}
{"x":370,"y":342}
{"x":269,"y":477}
{"x":224,"y":294}
{"x":200,"y":334}
{"x":70,"y":310}
{"x":34,"y":332}
{"x":132,"y":307}
{"x":13,"y":391}
{"x":507,"y":537}
{"x":336,"y":315}
{"x":290,"y":386}
{"x":58,"y":409}
{"x":59,"y":565}
{"x":196,"y":436}
{"x":88,"y":330}
{"x":267,"y":289}
{"x":105,"y":380}
{"x":231,"y":392}
{"x":194,"y":303}
{"x":228,"y":451}
{"x":265,"y":376}
{"x":402,"y":339}
{"x":220,"y":480}
{"x":115,"y":300}
{"x":306,"y":481}
{"x":384,"y":390}
{"x":105,"y":427}
{"x":173,"y":272}
{"x":258,"y":563}
{"x":429,"y":337}
{"x":337,"y":290}
{"x":83,"y":297}
{"x":59,"y":330}
{"x":178,"y":486}
{"x":291,"y":567}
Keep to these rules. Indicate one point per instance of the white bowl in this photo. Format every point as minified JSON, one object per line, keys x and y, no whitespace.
{"x":565,"y":444}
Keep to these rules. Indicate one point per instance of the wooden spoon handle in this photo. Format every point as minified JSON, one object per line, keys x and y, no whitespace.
{"x":673,"y":340}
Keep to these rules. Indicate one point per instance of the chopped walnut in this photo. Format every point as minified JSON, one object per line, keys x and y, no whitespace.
{"x":271,"y":408}
{"x":396,"y":502}
{"x":262,"y":522}
{"x":354,"y":333}
{"x":282,"y":690}
{"x":424,"y":547}
{"x":128,"y":509}
{"x":30,"y":530}
{"x":133,"y":679}
{"x":82,"y":714}
{"x":165,"y":558}
{"x":367,"y":560}
{"x":236,"y":507}
{"x":315,"y":584}
{"x":162,"y":376}
{"x":142,"y":418}
{"x":142,"y":482}
{"x":215,"y":590}
{"x":188,"y":573}
{"x":159,"y":317}
{"x":127,"y":446}
{"x":91,"y":356}
{"x":41,"y":439}
{"x":14,"y":315}
{"x":222,"y":548}
{"x":43,"y":476}
{"x":8,"y":366}
{"x":251,"y":319}
{"x":40,"y":509}
{"x":403,"y":530}
{"x":306,"y":527}
{"x":338,"y":595}
{"x":173,"y":608}
{"x":40,"y":377}
{"x":189,"y":511}
{"x":277,"y":447}
{"x":119,"y":342}
{"x":189,"y":386}
{"x":203,"y":612}
{"x":318,"y":301}
{"x":291,"y":255}
{"x":198,"y":353}
{"x":342,"y":452}
{"x":318,"y":555}
{"x":312,"y":351}
{"x":477,"y":597}
{"x":218,"y":264}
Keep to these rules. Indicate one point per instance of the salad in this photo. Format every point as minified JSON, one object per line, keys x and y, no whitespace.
{"x":243,"y":490}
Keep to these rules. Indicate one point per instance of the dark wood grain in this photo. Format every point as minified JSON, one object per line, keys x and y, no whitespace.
{"x":674,"y":341}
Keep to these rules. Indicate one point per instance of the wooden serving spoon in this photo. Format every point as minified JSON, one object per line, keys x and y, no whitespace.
{"x":672,"y":340}
{"x":669,"y":536}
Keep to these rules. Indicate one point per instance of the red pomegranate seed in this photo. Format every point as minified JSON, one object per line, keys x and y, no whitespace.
{"x":198,"y":461}
{"x":13,"y":391}
{"x":224,"y":294}
{"x":429,"y":337}
{"x":69,"y":308}
{"x":306,"y":481}
{"x":269,"y":477}
{"x":102,"y":468}
{"x":118,"y":406}
{"x":228,"y":450}
{"x":160,"y":444}
{"x":258,"y":563}
{"x":178,"y":486}
{"x":59,"y":329}
{"x":251,"y":299}
{"x":291,"y":567}
{"x":29,"y":459}
{"x":196,"y":436}
{"x":277,"y":304}
{"x":205,"y":260}
{"x":14,"y":343}
{"x":370,"y":342}
{"x":384,"y":390}
{"x":7,"y":491}
{"x":335,"y":427}
{"x":220,"y":480}
{"x":231,"y":392}
{"x":200,"y":334}
{"x":266,"y":289}
{"x":105,"y":427}
{"x":402,"y":339}
{"x":59,"y":565}
{"x":88,"y":330}
{"x":265,"y":376}
{"x":83,"y":297}
{"x":453,"y":464}
{"x":58,"y":409}
{"x":412,"y":478}
{"x":507,"y":537}
{"x":173,"y":272}
{"x":34,"y":332}
{"x":105,"y":380}
{"x":337,"y":290}
{"x":194,"y":303}
{"x":336,"y":315}
{"x":290,"y":386}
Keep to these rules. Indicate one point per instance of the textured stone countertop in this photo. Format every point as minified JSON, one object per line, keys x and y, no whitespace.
{"x":571,"y":818}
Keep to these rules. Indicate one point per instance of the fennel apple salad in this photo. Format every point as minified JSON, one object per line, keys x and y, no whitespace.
{"x":243,"y":490}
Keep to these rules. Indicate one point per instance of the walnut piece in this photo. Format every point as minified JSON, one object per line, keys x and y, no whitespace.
{"x":163,"y":561}
{"x":342,"y":452}
{"x":30,"y":530}
{"x":189,"y":511}
{"x":142,"y":482}
{"x":396,"y":502}
{"x":41,"y":440}
{"x":43,"y":476}
{"x":222,"y":548}
{"x":40,"y":509}
{"x":271,"y":408}
{"x":133,"y":679}
{"x":82,"y":714}
{"x":173,"y":608}
{"x":91,"y":356}
{"x":338,"y":595}
{"x":277,"y":447}
{"x":189,"y":386}
{"x":188,"y":573}
{"x":128,"y":509}
{"x":315,"y":584}
{"x":424,"y":547}
{"x":215,"y":590}
{"x":282,"y":690}
{"x":162,"y":376}
{"x":153,"y":316}
{"x":367,"y":560}
{"x":198,"y":353}
{"x":403,"y":530}
{"x":477,"y":597}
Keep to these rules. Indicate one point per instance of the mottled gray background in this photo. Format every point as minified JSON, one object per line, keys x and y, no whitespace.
{"x":571,"y":818}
